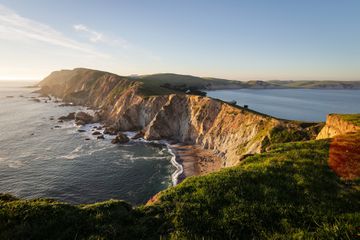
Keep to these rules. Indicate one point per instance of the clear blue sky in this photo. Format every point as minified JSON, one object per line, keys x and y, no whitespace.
{"x":269,"y":39}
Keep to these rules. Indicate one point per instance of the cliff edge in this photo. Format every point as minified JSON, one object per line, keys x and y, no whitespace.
{"x":230,"y":131}
{"x":339,"y":124}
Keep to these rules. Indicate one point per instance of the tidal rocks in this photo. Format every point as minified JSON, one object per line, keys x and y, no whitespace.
{"x":138,"y":135}
{"x":101,"y":137}
{"x":120,"y":138}
{"x":81,"y":130}
{"x":70,"y":116}
{"x":96,"y":133}
{"x":82,"y":118}
{"x":35,"y":100}
{"x":110,"y":131}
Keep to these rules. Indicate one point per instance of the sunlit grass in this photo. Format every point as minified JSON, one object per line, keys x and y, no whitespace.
{"x":289,"y":192}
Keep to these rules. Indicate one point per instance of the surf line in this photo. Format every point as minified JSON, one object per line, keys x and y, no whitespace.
{"x":179,"y":168}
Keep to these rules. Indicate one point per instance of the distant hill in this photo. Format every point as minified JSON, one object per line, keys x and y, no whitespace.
{"x":187,"y":81}
{"x":178,"y":81}
{"x":167,"y":83}
{"x":315,"y":84}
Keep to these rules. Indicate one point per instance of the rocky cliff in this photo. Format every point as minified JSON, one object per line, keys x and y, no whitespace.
{"x":230,"y":131}
{"x":339,"y":124}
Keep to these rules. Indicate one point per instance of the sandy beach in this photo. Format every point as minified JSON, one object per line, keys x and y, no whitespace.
{"x":195,"y":160}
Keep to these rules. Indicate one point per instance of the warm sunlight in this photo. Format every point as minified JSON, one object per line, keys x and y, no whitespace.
{"x":233,"y":119}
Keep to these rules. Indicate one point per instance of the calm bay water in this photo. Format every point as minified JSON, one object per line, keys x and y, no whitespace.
{"x":294,"y":104}
{"x":38,"y":160}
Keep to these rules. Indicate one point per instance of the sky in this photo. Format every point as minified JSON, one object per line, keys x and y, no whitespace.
{"x":241,"y":40}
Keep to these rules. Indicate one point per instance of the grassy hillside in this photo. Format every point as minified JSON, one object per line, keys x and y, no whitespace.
{"x":168,"y":83}
{"x":287,"y":193}
{"x":218,"y":83}
{"x":188,"y":80}
{"x":352,"y":118}
{"x":317,"y":84}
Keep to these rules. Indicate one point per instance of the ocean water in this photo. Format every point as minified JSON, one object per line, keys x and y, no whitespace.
{"x":295,"y":104}
{"x":38,"y":159}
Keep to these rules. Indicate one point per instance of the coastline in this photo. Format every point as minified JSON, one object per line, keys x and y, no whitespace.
{"x":189,"y":160}
{"x":195,"y":160}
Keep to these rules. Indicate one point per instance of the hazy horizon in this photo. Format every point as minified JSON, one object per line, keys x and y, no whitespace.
{"x":238,"y":40}
{"x":130,"y":75}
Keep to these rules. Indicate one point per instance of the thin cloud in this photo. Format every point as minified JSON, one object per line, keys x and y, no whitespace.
{"x":97,"y":37}
{"x":15,"y":27}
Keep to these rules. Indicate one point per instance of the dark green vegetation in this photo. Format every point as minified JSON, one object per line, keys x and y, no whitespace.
{"x":287,"y":193}
{"x":47,"y":219}
{"x":281,"y":134}
{"x":352,"y":118}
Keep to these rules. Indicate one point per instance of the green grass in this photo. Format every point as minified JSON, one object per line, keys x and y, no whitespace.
{"x":148,"y":88}
{"x":152,"y":84}
{"x":47,"y":219}
{"x":286,"y":193}
{"x":289,"y":192}
{"x":352,"y":118}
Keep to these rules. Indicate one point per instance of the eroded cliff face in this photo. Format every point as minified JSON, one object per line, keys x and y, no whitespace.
{"x":336,"y":125}
{"x":230,"y":131}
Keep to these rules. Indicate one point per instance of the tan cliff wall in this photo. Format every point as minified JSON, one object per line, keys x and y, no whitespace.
{"x":336,"y":125}
{"x":211,"y":124}
{"x":230,"y":131}
{"x":193,"y":120}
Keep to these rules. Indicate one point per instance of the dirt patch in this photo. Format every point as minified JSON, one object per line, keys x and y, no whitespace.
{"x":344,"y":155}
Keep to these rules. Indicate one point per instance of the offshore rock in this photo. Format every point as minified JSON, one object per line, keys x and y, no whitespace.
{"x":70,"y":116}
{"x":120,"y":138}
{"x":82,"y":118}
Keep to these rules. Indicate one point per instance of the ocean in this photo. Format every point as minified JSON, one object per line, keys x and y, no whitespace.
{"x":40,"y":157}
{"x":310,"y":105}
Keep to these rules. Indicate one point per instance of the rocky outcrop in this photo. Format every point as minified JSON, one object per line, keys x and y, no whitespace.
{"x":82,"y":118}
{"x":229,"y":131}
{"x":69,"y":117}
{"x":335,"y":125}
{"x":120,"y":138}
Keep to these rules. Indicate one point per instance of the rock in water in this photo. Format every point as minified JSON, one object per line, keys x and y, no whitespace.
{"x":82,"y":118}
{"x":120,"y":138}
{"x":138,"y":135}
{"x":101,"y":137}
{"x":96,"y":133}
{"x":35,"y":100}
{"x":110,"y":131}
{"x":70,"y":116}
